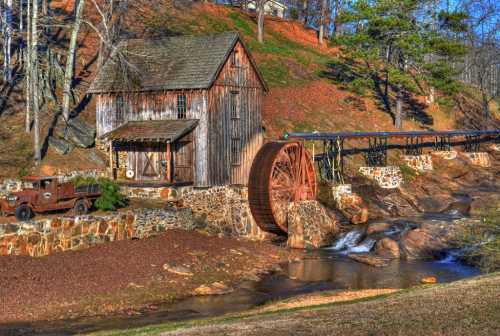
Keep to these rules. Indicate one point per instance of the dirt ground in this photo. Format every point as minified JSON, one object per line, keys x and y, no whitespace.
{"x":122,"y":276}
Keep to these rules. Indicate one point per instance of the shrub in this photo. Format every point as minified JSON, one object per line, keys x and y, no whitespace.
{"x":110,"y":198}
{"x":481,"y":242}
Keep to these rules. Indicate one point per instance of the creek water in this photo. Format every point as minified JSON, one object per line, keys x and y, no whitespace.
{"x":309,"y":272}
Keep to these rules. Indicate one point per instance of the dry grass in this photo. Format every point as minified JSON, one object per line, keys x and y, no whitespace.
{"x":321,"y":299}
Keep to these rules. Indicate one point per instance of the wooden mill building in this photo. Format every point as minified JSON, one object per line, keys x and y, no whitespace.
{"x":181,"y":110}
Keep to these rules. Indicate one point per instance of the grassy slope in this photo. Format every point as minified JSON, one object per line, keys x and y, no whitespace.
{"x":467,"y":307}
{"x":303,"y":78}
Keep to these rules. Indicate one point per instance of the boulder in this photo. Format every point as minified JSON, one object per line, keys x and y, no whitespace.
{"x":429,"y":240}
{"x":353,"y":208}
{"x":179,"y":270}
{"x":398,"y":205}
{"x":80,"y":133}
{"x":61,"y":146}
{"x":310,"y":225}
{"x":377,"y":227}
{"x":429,"y":280}
{"x":387,"y":248}
{"x":369,"y":259}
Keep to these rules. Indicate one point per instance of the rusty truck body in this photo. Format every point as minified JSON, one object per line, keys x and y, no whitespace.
{"x":48,"y":194}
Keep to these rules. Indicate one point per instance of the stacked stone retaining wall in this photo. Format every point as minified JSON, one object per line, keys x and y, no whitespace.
{"x":46,"y":236}
{"x":386,"y":177}
{"x":419,"y":163}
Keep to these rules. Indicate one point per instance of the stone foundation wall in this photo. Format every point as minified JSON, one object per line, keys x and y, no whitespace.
{"x":165,"y":194}
{"x":225,"y":209}
{"x":446,"y":155}
{"x":419,"y":163}
{"x":310,"y":225}
{"x":386,"y":177}
{"x":220,"y":211}
{"x":481,"y":159}
{"x":12,"y":185}
{"x":47,"y":236}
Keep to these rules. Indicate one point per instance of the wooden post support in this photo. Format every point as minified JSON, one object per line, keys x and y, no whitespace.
{"x":168,"y":169}
{"x":111,"y":159}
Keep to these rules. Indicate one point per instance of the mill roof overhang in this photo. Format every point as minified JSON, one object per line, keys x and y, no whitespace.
{"x":152,"y":130}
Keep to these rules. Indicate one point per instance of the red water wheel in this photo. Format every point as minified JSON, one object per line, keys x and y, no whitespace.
{"x":282,"y":172}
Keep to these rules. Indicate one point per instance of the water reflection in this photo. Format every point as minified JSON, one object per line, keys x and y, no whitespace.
{"x":344,"y":273}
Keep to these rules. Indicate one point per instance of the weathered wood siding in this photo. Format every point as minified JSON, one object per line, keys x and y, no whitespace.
{"x":229,"y":132}
{"x":224,"y":127}
{"x":113,"y":110}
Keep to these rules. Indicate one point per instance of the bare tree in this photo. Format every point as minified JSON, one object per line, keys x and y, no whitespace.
{"x":8,"y":17}
{"x":260,"y":7}
{"x":34,"y":83}
{"x":70,"y":61}
{"x":27,"y":71}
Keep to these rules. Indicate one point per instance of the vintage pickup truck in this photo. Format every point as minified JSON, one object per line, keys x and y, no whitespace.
{"x":48,"y":194}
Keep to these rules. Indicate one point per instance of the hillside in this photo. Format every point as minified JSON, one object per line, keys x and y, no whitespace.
{"x":311,"y":88}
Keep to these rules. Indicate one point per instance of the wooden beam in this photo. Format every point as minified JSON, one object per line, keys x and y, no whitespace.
{"x":111,"y":159}
{"x":169,"y":163}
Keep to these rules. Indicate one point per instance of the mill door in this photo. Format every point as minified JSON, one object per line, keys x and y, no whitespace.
{"x":151,"y":163}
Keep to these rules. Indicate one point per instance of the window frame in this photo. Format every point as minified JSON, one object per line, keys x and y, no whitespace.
{"x":235,"y":129}
{"x":181,"y":106}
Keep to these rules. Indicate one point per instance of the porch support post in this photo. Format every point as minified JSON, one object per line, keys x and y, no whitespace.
{"x":111,"y":159}
{"x":168,"y":169}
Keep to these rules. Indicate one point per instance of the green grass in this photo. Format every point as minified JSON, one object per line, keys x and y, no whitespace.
{"x":275,"y":74}
{"x":409,"y":174}
{"x":242,"y":24}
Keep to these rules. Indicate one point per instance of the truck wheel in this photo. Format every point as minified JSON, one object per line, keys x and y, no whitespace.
{"x":80,"y":207}
{"x":24,"y":213}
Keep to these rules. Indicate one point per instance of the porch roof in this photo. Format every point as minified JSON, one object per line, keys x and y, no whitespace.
{"x":152,"y":130}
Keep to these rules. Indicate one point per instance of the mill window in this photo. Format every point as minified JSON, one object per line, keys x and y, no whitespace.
{"x":234,"y":59}
{"x":181,"y":106}
{"x":235,"y":128}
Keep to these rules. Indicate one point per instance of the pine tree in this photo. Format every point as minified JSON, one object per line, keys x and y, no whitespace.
{"x":394,"y":37}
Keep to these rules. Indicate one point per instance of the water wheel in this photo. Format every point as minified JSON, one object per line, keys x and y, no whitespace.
{"x":282,"y":172}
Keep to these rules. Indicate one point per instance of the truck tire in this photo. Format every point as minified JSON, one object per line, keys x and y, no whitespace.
{"x":80,"y":207}
{"x":24,"y":213}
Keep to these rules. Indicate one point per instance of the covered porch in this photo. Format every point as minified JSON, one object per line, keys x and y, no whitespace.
{"x":153,"y":153}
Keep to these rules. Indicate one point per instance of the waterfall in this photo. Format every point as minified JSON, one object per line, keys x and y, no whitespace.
{"x":347,"y":240}
{"x":364,"y":247}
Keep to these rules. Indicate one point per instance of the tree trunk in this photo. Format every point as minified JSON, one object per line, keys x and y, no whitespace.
{"x":322,"y":21}
{"x":21,"y":31}
{"x":486,"y":104}
{"x":34,"y":83}
{"x":7,"y":76}
{"x":27,"y":70}
{"x":70,"y":62}
{"x":260,"y":20}
{"x":398,"y":117}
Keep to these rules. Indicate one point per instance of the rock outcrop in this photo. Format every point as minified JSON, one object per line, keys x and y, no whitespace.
{"x":61,"y":146}
{"x":80,"y":133}
{"x":387,"y":248}
{"x":310,"y":225}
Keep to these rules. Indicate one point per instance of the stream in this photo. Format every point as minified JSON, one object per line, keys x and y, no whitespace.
{"x":308,"y":272}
